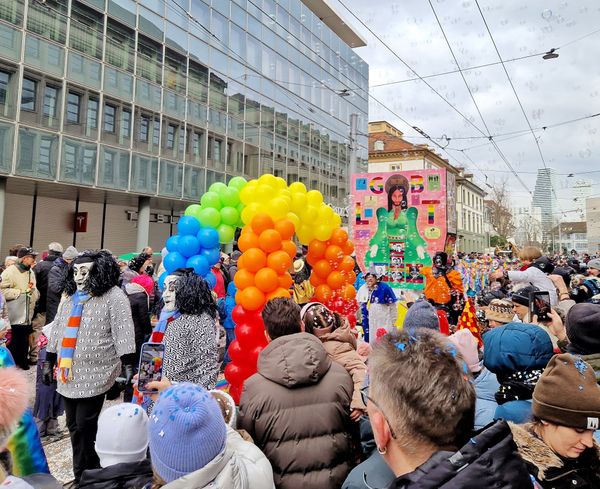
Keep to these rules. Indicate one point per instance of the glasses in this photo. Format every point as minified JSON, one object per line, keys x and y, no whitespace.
{"x":365,"y":398}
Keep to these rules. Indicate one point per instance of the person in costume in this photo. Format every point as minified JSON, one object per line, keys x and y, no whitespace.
{"x":91,"y":343}
{"x":378,"y":307}
{"x":444,"y":287}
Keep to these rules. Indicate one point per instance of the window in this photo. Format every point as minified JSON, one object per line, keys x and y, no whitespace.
{"x":196,"y":143}
{"x":156,"y":133}
{"x":4,"y":79}
{"x":50,"y":101}
{"x":45,"y":162}
{"x":125,"y":124}
{"x":109,"y":167}
{"x":144,"y":128}
{"x":218,"y":150}
{"x":170,"y":144}
{"x":109,"y":118}
{"x":73,"y":108}
{"x":92,"y":113}
{"x":28,"y":96}
{"x":209,"y":148}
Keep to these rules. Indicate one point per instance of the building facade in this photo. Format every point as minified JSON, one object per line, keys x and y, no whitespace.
{"x":569,"y":236}
{"x":528,"y":226}
{"x":592,"y":212}
{"x":472,"y":234}
{"x":129,"y":110}
{"x":544,"y":197}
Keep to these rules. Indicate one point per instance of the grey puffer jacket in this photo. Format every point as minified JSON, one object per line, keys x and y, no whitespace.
{"x":297,"y":410}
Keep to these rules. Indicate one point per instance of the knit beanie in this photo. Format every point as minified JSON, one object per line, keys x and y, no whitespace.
{"x":521,"y":296}
{"x":421,"y":315}
{"x":500,"y":310}
{"x":70,"y":253}
{"x":567,"y":393}
{"x":14,"y":398}
{"x":122,"y":435}
{"x":583,"y":328}
{"x":186,"y":431}
{"x":595,"y":264}
{"x":467,"y":346}
{"x":544,"y":264}
{"x":145,"y":281}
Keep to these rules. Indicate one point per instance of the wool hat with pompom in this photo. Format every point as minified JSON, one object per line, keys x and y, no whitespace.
{"x":14,"y":398}
{"x":467,"y":345}
{"x":186,"y":431}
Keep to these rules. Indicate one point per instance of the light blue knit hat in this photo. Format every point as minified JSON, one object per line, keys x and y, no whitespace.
{"x":186,"y":431}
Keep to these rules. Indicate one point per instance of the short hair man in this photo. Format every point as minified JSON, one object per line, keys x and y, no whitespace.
{"x":421,"y":405}
{"x":297,"y":406}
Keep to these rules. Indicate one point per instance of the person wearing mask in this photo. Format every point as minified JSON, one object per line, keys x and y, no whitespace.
{"x":378,"y":307}
{"x":296,"y":407}
{"x":138,"y":265}
{"x":19,"y":288}
{"x":421,"y":405}
{"x":558,"y":444}
{"x":444,"y":287}
{"x":56,"y":281}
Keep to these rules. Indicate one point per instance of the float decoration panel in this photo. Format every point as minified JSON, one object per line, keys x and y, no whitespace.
{"x":399,"y":222}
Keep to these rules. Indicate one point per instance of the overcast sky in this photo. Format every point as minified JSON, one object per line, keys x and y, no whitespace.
{"x":551,"y":91}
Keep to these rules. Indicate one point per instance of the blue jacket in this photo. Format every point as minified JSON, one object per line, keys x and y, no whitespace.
{"x":486,"y":385}
{"x":229,"y":304}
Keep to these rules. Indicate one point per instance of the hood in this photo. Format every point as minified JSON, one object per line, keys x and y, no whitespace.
{"x":489,"y":459}
{"x":52,"y":257}
{"x":516,"y":347}
{"x":121,"y":472}
{"x":486,"y":385}
{"x":535,"y":452}
{"x":294,"y":360}
{"x":131,"y":288}
{"x":231,"y":289}
{"x":206,"y":475}
{"x":343,"y":334}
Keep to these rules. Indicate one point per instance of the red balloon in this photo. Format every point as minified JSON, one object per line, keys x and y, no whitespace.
{"x":334,"y":254}
{"x":235,"y":351}
{"x":235,"y":374}
{"x":235,"y":392}
{"x":248,"y":335}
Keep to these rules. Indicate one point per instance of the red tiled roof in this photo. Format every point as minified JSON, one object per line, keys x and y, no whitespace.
{"x":391,"y":143}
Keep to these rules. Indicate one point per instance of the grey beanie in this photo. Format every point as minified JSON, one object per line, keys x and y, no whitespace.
{"x":70,"y":253}
{"x":421,"y":315}
{"x":595,"y":263}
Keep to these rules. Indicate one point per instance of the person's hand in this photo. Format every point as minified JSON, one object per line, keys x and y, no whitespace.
{"x":157,"y":386}
{"x":356,"y":414}
{"x":554,"y":324}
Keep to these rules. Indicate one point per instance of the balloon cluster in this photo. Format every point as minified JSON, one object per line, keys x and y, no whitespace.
{"x":262,"y":275}
{"x":220,"y":208}
{"x":312,"y":218}
{"x":194,"y":247}
{"x":333,"y":273}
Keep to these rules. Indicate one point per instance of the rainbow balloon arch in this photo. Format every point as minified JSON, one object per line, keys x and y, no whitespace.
{"x":270,"y":213}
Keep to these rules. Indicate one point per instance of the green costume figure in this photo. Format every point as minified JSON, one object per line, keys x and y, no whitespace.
{"x":379,"y":245}
{"x":415,"y":249}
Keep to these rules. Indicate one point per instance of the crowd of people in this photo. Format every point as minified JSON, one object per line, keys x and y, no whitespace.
{"x":454,"y":387}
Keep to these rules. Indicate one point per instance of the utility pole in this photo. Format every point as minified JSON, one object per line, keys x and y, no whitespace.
{"x":351,"y":171}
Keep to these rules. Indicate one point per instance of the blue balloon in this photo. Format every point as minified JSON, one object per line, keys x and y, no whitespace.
{"x":188,"y":246}
{"x":188,"y":225}
{"x":212,"y":255}
{"x":161,"y":280}
{"x":199,"y":264}
{"x":173,"y":243}
{"x":208,"y":237}
{"x":211,"y":280}
{"x":173,"y":261}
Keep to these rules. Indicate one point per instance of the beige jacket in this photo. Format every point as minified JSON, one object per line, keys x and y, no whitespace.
{"x":16,"y":282}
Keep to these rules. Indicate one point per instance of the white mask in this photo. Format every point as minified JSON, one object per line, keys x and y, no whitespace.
{"x":81,"y":274}
{"x":170,"y":292}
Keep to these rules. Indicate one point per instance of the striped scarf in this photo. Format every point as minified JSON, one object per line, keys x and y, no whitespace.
{"x":69,"y":341}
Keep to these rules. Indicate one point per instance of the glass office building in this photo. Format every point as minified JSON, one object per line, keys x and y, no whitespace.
{"x":161,"y":98}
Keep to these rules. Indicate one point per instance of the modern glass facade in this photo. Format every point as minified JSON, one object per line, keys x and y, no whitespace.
{"x":165,"y":97}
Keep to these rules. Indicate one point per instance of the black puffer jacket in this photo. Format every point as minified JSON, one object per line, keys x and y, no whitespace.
{"x":139,"y":301}
{"x":42,"y":270}
{"x":133,"y":475}
{"x":490,"y":459}
{"x":55,"y":286}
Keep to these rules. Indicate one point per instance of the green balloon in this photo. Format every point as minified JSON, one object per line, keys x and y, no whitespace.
{"x":226,"y":233}
{"x":238,"y":183}
{"x":217,"y":187}
{"x":209,"y":217}
{"x":229,"y":216}
{"x":230,"y":197}
{"x":192,"y":210}
{"x":240,"y":207}
{"x":211,"y":199}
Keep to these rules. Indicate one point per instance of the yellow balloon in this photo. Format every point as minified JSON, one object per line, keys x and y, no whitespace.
{"x":323,"y":232}
{"x":297,"y":187}
{"x":280,"y":183}
{"x":285,"y":192}
{"x":264,"y":194}
{"x":247,"y":194}
{"x":325,"y":212}
{"x":278,"y":208}
{"x":268,"y":179}
{"x":309,"y":215}
{"x":294,"y":218}
{"x":299,"y":202}
{"x":314,"y":197}
{"x":304,"y":234}
{"x":250,"y":211}
{"x":336,"y":221}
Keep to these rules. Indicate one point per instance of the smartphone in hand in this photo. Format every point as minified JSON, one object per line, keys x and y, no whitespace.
{"x":151,"y":364}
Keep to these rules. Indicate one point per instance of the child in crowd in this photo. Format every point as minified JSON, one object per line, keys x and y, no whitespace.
{"x":340,"y":343}
{"x":226,"y":306}
{"x":121,"y":445}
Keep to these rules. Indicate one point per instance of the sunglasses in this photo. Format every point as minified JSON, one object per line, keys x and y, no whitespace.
{"x":365,"y":399}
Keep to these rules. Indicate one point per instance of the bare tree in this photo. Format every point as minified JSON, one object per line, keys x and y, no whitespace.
{"x":498,"y":208}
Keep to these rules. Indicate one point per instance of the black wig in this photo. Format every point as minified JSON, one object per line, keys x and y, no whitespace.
{"x":193,"y":295}
{"x":104,"y":274}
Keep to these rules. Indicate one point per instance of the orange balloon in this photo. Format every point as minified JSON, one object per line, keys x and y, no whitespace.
{"x":270,"y":240}
{"x":241,"y":262}
{"x":238,"y":297}
{"x":311,"y":258}
{"x":243,"y":278}
{"x":261,"y":222}
{"x":334,"y":254}
{"x":246,"y":229}
{"x":349,"y":277}
{"x":348,"y":247}
{"x":322,"y":268}
{"x":323,"y":293}
{"x":285,"y":280}
{"x":280,"y":292}
{"x":252,"y":299}
{"x":348,"y":292}
{"x":289,"y":247}
{"x":279,"y":261}
{"x":285,"y":228}
{"x":347,"y":264}
{"x":315,"y":280}
{"x":247,"y":241}
{"x":254,"y":259}
{"x":338,"y":237}
{"x":317,"y":248}
{"x":335,"y":280}
{"x":267,"y":280}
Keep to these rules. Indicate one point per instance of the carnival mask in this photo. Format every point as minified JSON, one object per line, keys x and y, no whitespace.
{"x":81,"y":274}
{"x":170,"y":292}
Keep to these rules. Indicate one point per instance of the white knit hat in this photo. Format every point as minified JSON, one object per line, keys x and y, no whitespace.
{"x":122,"y":435}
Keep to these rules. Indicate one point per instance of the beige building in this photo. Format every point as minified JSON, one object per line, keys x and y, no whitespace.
{"x":472,"y":235}
{"x":592,"y":213}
